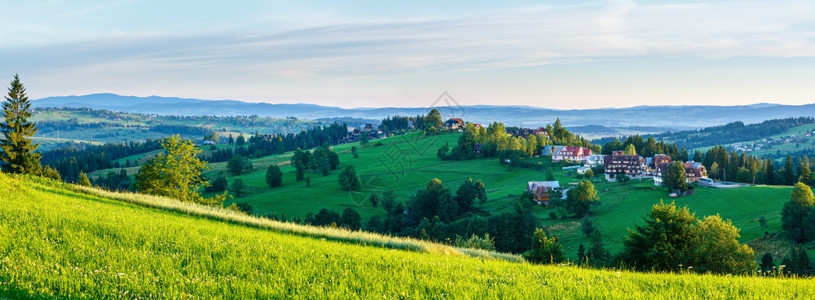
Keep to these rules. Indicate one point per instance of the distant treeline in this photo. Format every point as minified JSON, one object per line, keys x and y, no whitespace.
{"x":182,"y":130}
{"x":263,"y":145}
{"x":728,"y":133}
{"x":51,"y":126}
{"x":401,"y":123}
{"x":69,"y":161}
{"x":645,"y":147}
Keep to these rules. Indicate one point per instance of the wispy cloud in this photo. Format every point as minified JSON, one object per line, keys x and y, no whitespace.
{"x":351,"y":48}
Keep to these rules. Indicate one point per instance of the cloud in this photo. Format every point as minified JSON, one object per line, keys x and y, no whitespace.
{"x":354,"y":48}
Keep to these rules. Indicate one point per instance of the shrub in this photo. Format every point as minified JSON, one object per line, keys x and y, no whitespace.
{"x":544,"y":250}
{"x":274,"y":177}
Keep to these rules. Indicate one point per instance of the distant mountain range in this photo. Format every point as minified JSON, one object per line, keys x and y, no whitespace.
{"x":595,"y":121}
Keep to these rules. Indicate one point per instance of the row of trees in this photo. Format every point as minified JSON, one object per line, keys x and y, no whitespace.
{"x":70,"y":160}
{"x":437,"y":213}
{"x":496,"y":141}
{"x":740,"y":167}
{"x":733,"y":132}
{"x":644,"y":147}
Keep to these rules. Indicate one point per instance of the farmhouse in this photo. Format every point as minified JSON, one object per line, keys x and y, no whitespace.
{"x":540,"y":190}
{"x":654,"y":162}
{"x":454,"y":124}
{"x":572,"y":153}
{"x":618,"y":164}
{"x":526,"y":132}
{"x":694,"y":172}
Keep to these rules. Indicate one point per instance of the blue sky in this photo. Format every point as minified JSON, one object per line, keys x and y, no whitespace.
{"x":561,"y":54}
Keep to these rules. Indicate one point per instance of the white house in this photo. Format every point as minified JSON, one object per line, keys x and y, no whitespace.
{"x":572,"y":153}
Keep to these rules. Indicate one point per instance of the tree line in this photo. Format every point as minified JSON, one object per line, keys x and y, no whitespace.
{"x":494,"y":140}
{"x":729,"y":133}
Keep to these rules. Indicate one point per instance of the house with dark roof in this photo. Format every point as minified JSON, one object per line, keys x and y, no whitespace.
{"x":656,"y":161}
{"x":540,"y":190}
{"x":454,"y":123}
{"x":618,"y":164}
{"x":694,"y":172}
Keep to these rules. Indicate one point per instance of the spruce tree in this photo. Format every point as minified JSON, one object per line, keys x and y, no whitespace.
{"x":16,"y":142}
{"x":83,"y":179}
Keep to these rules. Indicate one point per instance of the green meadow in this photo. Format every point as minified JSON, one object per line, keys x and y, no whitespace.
{"x":63,"y":241}
{"x":404,"y":164}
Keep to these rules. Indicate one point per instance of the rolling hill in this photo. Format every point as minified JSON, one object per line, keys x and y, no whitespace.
{"x":406,"y":163}
{"x":63,"y":241}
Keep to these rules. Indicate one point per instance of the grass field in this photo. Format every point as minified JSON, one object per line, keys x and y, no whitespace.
{"x":405,"y":164}
{"x":624,"y":207}
{"x":395,"y":165}
{"x":58,"y":242}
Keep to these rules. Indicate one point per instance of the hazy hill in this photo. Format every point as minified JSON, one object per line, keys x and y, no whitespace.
{"x":662,"y":117}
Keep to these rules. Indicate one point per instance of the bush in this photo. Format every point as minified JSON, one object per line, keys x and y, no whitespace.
{"x":673,"y":236}
{"x":83,"y":179}
{"x":219,"y":185}
{"x":274,"y":177}
{"x":246,"y":208}
{"x":544,"y":250}
{"x":238,"y":164}
{"x":476,"y":242}
{"x":348,"y":179}
{"x":588,"y":227}
{"x":238,"y":187}
{"x":351,"y":219}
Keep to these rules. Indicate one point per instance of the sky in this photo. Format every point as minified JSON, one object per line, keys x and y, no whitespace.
{"x":560,"y":54}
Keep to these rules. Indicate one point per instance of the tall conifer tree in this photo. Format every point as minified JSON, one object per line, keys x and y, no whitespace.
{"x":16,"y":142}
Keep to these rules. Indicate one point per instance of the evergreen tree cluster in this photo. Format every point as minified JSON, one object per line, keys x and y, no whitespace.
{"x":182,"y":130}
{"x":71,"y":160}
{"x":434,"y":214}
{"x":645,"y":147}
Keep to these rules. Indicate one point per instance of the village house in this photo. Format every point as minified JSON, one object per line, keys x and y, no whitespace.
{"x":694,"y":172}
{"x":454,"y":124}
{"x":654,"y":162}
{"x":540,"y":190}
{"x":570,"y":153}
{"x":526,"y":132}
{"x":595,"y":160}
{"x":618,"y":164}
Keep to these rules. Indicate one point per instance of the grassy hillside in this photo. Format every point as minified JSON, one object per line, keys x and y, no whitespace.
{"x":66,"y":242}
{"x":405,"y":164}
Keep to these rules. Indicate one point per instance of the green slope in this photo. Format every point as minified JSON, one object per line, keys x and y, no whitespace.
{"x":413,"y":158}
{"x":66,"y":242}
